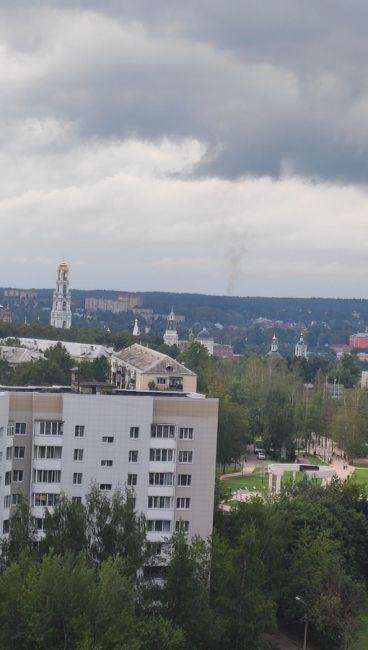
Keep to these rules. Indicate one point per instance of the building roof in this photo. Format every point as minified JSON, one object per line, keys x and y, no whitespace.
{"x":87,"y":351}
{"x":148,"y":360}
{"x":204,"y":335}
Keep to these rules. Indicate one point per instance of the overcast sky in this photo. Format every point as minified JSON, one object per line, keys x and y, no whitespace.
{"x":193,"y":145}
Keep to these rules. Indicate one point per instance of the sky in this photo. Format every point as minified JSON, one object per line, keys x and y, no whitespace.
{"x":199,"y":146}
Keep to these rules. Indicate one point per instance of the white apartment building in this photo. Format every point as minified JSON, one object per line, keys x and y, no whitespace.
{"x":162,"y":445}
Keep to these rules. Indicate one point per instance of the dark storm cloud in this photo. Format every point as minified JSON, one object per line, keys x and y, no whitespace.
{"x":268,"y":87}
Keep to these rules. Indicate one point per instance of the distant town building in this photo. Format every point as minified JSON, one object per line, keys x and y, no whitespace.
{"x":223,"y":351}
{"x":359,"y":340}
{"x":301,"y":348}
{"x":274,"y":351}
{"x":140,"y":368}
{"x":171,"y":334}
{"x":206,"y":339}
{"x":5,"y":314}
{"x":364,"y":379}
{"x":125,"y":302}
{"x":61,"y":315}
{"x":21,"y":297}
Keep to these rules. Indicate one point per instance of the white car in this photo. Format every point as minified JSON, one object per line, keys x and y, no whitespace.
{"x":261,"y":455}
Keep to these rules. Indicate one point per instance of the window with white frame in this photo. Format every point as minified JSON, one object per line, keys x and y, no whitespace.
{"x":159,"y":502}
{"x":132,"y":479}
{"x":9,"y":453}
{"x":20,"y":428}
{"x":51,"y":428}
{"x":162,"y":431}
{"x":7,"y":501}
{"x":182,"y":525}
{"x":45,"y":499}
{"x":106,"y":463}
{"x":183,"y":503}
{"x":48,"y":451}
{"x":105,"y":487}
{"x":161,"y":381}
{"x":185,"y":456}
{"x":8,"y":476}
{"x":161,"y":478}
{"x":184,"y":480}
{"x":158,"y":525}
{"x":46,"y":476}
{"x":19,"y":452}
{"x":162,"y":455}
{"x":10,"y":428}
{"x":186,"y":433}
{"x":79,"y":431}
{"x":77,"y":478}
{"x":78,"y":454}
{"x":133,"y":456}
{"x":108,"y":439}
{"x":134,"y":432}
{"x":17,"y":475}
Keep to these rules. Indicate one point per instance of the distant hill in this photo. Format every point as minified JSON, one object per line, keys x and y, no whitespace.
{"x":236,"y":310}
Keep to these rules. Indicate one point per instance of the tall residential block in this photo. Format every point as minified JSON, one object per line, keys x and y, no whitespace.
{"x":161,"y":445}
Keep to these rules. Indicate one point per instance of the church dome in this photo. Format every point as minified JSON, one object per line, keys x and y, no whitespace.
{"x":63,"y":266}
{"x":204,"y":335}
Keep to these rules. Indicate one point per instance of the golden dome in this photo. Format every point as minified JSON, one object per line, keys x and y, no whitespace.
{"x":63,"y":266}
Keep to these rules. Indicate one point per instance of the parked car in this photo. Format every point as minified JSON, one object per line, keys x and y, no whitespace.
{"x":261,"y":455}
{"x":258,"y":449}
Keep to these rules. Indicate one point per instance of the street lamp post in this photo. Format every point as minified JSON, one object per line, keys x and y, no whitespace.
{"x":300,"y":600}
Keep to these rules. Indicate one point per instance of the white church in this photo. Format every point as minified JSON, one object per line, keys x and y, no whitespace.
{"x":61,"y":314}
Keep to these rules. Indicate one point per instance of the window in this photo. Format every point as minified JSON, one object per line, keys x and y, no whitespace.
{"x":184,"y":480}
{"x":5,"y":526}
{"x":186,"y":433}
{"x":161,"y":478}
{"x":43,"y":451}
{"x":78,"y":454}
{"x":132,"y":479}
{"x":45,"y":499}
{"x":133,"y":456}
{"x":183,"y":503}
{"x":17,"y":475}
{"x":77,"y":500}
{"x":16,"y":499}
{"x":108,"y":439}
{"x":20,"y":427}
{"x":182,"y":525}
{"x":10,"y":428}
{"x":8,"y":476}
{"x":18,"y":452}
{"x":134,"y":432}
{"x":160,"y":502}
{"x":9,"y":453}
{"x":104,"y":487}
{"x":161,"y":381}
{"x":106,"y":463}
{"x":162,"y":431}
{"x":79,"y":431}
{"x":185,"y":456}
{"x":162,"y":455}
{"x":51,"y":428}
{"x":1,"y":432}
{"x":77,"y":478}
{"x":46,"y":476}
{"x":158,"y":525}
{"x":7,"y":501}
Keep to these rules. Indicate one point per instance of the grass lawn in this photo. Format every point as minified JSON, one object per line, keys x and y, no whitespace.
{"x":253,"y":482}
{"x":360,"y":477}
{"x":313,"y":460}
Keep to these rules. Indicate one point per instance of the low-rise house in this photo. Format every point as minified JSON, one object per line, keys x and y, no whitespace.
{"x":141,"y":368}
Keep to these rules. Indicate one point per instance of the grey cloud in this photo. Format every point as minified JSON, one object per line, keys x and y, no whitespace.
{"x":264,"y":85}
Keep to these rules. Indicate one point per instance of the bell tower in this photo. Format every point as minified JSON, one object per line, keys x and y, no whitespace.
{"x":171,"y":335}
{"x":61,"y":315}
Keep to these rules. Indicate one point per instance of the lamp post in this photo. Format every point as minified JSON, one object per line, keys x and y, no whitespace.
{"x":300,"y":600}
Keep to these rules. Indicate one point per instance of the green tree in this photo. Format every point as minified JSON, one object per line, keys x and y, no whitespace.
{"x":232,"y":435}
